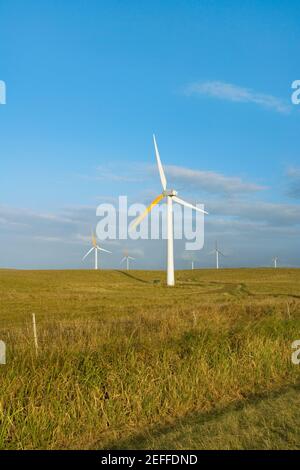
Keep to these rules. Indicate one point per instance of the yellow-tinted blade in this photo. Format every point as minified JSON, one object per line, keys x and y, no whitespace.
{"x":94,"y":240}
{"x":141,"y":217}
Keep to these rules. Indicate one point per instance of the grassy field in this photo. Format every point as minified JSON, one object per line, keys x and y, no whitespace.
{"x":125,"y":362}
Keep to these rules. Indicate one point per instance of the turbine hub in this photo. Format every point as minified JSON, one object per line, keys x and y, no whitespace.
{"x":170,"y":192}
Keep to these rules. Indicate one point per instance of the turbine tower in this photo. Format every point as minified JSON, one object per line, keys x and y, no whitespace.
{"x":170,"y":195}
{"x":127,"y":258}
{"x":95,"y":248}
{"x":217,"y":252}
{"x":275,"y":260}
{"x":190,"y":258}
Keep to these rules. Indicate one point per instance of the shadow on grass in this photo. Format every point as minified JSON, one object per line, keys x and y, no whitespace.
{"x":131,"y":276}
{"x":141,"y":440}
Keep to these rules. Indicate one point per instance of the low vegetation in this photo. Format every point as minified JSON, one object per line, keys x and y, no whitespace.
{"x":125,"y":362}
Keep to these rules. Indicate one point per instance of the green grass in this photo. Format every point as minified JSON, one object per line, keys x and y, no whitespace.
{"x":269,"y":421}
{"x":126,"y":362}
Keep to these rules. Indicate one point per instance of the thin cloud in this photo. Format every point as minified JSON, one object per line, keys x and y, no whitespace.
{"x":240,"y":227}
{"x":54,"y":226}
{"x":272,"y":214}
{"x":235,"y":93}
{"x":49,"y":239}
{"x":19,"y":218}
{"x":210,"y":181}
{"x":293,"y":190}
{"x":117,"y":173}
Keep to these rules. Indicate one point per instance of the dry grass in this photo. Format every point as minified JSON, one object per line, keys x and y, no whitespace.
{"x":121,"y":355}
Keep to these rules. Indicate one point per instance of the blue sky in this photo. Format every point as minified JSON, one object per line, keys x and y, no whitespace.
{"x":89,"y":82}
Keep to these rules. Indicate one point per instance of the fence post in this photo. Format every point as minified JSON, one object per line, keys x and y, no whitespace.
{"x":34,"y":333}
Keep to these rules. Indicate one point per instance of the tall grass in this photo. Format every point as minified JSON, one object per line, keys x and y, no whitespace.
{"x":118,"y":355}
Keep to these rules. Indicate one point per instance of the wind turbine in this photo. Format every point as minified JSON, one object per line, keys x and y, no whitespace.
{"x":170,"y":195}
{"x":95,"y":248}
{"x":190,"y":257}
{"x":127,"y":258}
{"x":217,"y":252}
{"x":275,"y":259}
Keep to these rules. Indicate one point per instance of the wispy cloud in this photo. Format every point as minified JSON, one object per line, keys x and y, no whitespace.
{"x":271,"y":214}
{"x":293,"y":175}
{"x":235,"y":93}
{"x":104,"y":174}
{"x":49,"y":239}
{"x":117,"y":173}
{"x":11,"y":216}
{"x":54,"y":226}
{"x":210,"y":181}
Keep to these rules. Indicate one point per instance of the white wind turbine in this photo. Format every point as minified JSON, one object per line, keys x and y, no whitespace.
{"x":275,"y":260}
{"x":127,"y":258}
{"x":170,"y":195}
{"x":95,"y":248}
{"x":190,"y":257}
{"x":217,"y":252}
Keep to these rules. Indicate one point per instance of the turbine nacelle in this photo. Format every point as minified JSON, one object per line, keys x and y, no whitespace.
{"x":170,"y":192}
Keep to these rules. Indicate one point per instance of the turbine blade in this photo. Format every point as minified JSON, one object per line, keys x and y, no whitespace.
{"x":130,"y":257}
{"x":87,"y":253}
{"x":187,"y":204}
{"x":122,"y":261}
{"x":141,"y":217}
{"x":160,"y":167}
{"x":221,"y":253}
{"x":102,"y":249}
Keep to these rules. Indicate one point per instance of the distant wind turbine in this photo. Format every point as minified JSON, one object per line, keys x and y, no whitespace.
{"x":191,"y":261}
{"x":127,"y":258}
{"x":95,"y":248}
{"x":170,"y":195}
{"x":190,"y":257}
{"x":217,"y":252}
{"x":275,"y":259}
